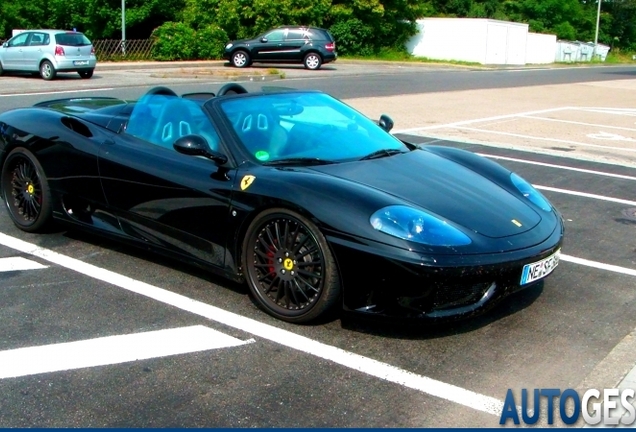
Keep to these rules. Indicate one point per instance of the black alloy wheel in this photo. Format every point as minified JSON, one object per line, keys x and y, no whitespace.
{"x":289,"y":267}
{"x":25,"y":191}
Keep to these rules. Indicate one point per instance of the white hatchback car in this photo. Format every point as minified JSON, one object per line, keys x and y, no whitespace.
{"x":48,"y":52}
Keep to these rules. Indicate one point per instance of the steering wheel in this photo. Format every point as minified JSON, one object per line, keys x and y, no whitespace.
{"x":231,"y":88}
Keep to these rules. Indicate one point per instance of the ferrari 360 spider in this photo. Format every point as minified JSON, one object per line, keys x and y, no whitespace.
{"x":309,"y":202}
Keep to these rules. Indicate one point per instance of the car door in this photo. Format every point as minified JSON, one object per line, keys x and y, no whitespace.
{"x":270,"y":46}
{"x":294,"y":42}
{"x":12,"y":55}
{"x":168,"y":200}
{"x":33,"y":52}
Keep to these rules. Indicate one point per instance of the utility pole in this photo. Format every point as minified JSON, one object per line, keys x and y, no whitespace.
{"x":123,"y":27}
{"x":598,"y":21}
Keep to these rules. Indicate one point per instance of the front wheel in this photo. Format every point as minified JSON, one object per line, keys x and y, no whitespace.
{"x":289,"y":267}
{"x":240,"y":59}
{"x":47,"y":71}
{"x":25,"y":191}
{"x":312,"y":61}
{"x":86,"y":73}
{"x":1,"y":70}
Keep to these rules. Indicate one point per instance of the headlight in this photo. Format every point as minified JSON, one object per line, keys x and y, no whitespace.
{"x":530,"y":192}
{"x":417,"y":226}
{"x":228,"y":46}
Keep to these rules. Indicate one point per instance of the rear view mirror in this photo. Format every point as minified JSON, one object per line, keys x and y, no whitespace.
{"x":386,"y":122}
{"x":6,"y":44}
{"x":196,"y":145}
{"x":263,"y":39}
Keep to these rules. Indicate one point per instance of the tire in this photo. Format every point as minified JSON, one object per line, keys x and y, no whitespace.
{"x":86,"y":74}
{"x":1,"y":70}
{"x":25,"y":191}
{"x":240,"y":59}
{"x":47,"y":71}
{"x":289,"y":267}
{"x":312,"y":61}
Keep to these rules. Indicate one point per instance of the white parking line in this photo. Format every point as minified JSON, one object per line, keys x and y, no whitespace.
{"x":545,"y":139}
{"x":339,"y":356}
{"x":479,"y":120}
{"x":577,"y":123}
{"x":112,"y":350}
{"x":599,"y":265}
{"x":563,"y":167}
{"x":18,"y":263}
{"x":586,"y":195}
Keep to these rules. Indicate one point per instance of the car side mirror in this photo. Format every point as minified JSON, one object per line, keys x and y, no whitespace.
{"x":196,"y":145}
{"x":263,"y":39}
{"x":386,"y":122}
{"x":6,"y":44}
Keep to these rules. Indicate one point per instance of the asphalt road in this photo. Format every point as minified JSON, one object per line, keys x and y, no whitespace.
{"x":569,"y":332}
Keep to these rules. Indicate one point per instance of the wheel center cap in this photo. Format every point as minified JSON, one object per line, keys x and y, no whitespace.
{"x":288,"y":264}
{"x":30,"y":189}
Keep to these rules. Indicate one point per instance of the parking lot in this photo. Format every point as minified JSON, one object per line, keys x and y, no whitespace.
{"x":97,"y":334}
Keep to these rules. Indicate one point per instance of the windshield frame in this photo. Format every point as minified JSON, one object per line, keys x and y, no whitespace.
{"x":359,"y":124}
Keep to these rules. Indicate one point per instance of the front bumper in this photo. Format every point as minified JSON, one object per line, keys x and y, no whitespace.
{"x":381,"y":283}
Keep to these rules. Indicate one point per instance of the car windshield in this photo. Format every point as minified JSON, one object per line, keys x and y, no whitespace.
{"x":71,"y":39}
{"x":306,"y":128}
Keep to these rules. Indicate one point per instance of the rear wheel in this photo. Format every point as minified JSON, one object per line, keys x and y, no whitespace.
{"x":240,"y":59}
{"x":25,"y":191}
{"x":47,"y":71}
{"x":289,"y":267}
{"x":312,"y":61}
{"x":86,"y":73}
{"x":1,"y":70}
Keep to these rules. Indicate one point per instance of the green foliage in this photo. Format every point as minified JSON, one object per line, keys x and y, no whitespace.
{"x":210,"y":42}
{"x":178,"y":41}
{"x":174,"y":41}
{"x":353,"y":37}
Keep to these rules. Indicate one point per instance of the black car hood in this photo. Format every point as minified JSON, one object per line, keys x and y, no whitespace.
{"x":445,"y":188}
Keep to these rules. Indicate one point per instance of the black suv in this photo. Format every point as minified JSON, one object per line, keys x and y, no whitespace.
{"x":310,"y":45}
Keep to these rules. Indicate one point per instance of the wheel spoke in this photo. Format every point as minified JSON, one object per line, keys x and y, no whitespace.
{"x":300,"y":244}
{"x":308,"y":263}
{"x":308,"y":284}
{"x":271,"y":238}
{"x":300,"y":290}
{"x":306,"y":252}
{"x":315,"y":275}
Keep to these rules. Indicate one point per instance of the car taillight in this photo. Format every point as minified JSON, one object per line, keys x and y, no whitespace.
{"x":59,"y":51}
{"x":330,"y":46}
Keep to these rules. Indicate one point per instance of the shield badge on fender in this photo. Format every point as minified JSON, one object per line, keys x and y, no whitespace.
{"x":247,"y":181}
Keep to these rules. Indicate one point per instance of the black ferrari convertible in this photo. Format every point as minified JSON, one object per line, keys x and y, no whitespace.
{"x":312,"y":204}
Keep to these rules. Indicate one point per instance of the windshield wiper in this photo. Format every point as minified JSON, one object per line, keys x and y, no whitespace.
{"x":299,"y":161}
{"x":382,"y":153}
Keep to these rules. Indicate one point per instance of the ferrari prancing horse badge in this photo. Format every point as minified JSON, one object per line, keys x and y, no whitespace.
{"x":247,"y":181}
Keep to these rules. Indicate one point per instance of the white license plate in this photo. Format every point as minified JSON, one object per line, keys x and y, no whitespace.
{"x":80,"y":62}
{"x":540,"y":269}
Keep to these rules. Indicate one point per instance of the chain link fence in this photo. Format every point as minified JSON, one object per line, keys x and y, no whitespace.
{"x":113,"y":49}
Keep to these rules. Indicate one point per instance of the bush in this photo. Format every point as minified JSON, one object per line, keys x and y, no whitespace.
{"x":210,"y":43}
{"x":353,"y":37}
{"x":174,"y":41}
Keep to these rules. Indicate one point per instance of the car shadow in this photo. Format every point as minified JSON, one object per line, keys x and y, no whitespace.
{"x":287,"y":66}
{"x":58,"y":236}
{"x":62,"y":76}
{"x":136,"y":252}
